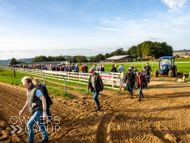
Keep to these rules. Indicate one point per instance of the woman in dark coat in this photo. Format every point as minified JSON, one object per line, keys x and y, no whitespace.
{"x":141,"y":82}
{"x":144,"y":73}
{"x":114,"y":69}
{"x":46,"y":95}
{"x":129,"y":78}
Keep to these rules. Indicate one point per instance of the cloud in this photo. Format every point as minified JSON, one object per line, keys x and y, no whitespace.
{"x":175,"y":5}
{"x":107,"y":29}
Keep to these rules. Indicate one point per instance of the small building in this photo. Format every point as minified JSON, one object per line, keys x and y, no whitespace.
{"x":181,"y":53}
{"x":119,"y":58}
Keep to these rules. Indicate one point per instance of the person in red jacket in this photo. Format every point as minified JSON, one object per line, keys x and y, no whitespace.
{"x":82,"y":69}
{"x":141,"y":82}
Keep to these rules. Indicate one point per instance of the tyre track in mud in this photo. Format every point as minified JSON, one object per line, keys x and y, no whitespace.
{"x":171,"y":135}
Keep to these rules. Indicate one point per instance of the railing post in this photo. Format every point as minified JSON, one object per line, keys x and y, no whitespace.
{"x":64,"y":83}
{"x":79,"y":77}
{"x":43,"y":77}
{"x":112,"y":81}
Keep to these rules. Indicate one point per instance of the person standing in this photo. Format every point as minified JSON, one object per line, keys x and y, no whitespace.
{"x":86,"y":68}
{"x":129,"y":79}
{"x":121,"y":68}
{"x":135,"y":71}
{"x":144,"y":73}
{"x":114,"y":69}
{"x":46,"y":95}
{"x":37,"y":107}
{"x":96,"y":85}
{"x":148,"y":69}
{"x":93,"y":67}
{"x":82,"y":69}
{"x":141,"y":84}
{"x":102,"y":68}
{"x":98,"y":68}
{"x":69,"y":68}
{"x":76,"y":69}
{"x":132,"y":67}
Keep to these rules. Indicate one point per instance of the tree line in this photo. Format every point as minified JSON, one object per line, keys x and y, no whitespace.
{"x":147,"y":48}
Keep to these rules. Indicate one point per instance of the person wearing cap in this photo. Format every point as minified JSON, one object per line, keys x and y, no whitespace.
{"x":141,"y":84}
{"x":129,"y":79}
{"x":96,"y":85}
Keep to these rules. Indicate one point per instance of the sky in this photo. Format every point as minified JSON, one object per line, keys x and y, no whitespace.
{"x":30,"y":28}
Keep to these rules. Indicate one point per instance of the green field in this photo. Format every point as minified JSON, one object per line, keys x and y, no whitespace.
{"x":181,"y":67}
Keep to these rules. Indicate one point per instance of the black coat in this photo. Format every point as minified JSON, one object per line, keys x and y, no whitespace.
{"x":46,"y":95}
{"x":113,"y":69}
{"x":143,"y":81}
{"x":98,"y":83}
{"x":148,"y":68}
{"x":130,"y":80}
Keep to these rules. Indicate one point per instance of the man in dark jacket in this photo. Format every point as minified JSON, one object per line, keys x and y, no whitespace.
{"x":86,"y":68}
{"x":148,"y":68}
{"x":96,"y":85}
{"x":129,"y":79}
{"x":141,"y":82}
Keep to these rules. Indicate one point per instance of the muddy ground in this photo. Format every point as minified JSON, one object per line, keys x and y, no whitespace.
{"x":161,"y":117}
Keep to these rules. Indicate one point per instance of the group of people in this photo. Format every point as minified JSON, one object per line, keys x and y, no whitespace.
{"x":55,"y":67}
{"x":39,"y":101}
{"x":139,"y":79}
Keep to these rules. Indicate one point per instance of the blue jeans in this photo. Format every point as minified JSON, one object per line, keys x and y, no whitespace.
{"x":49,"y":114}
{"x":140,"y":92}
{"x":130,"y":89}
{"x":95,"y":97}
{"x":38,"y":118}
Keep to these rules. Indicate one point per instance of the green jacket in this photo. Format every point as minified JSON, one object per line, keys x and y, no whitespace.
{"x":97,"y":81}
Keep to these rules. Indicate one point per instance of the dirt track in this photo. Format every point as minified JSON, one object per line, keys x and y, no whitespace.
{"x":162,"y":116}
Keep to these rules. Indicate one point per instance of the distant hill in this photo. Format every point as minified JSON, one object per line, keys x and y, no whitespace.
{"x":7,"y":62}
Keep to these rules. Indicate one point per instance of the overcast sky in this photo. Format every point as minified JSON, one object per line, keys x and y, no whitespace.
{"x":30,"y":28}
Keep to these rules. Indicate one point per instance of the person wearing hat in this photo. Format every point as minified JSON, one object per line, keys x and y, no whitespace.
{"x":96,"y":85}
{"x":129,"y":79}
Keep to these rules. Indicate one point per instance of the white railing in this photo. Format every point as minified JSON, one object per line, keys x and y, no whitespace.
{"x":110,"y":80}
